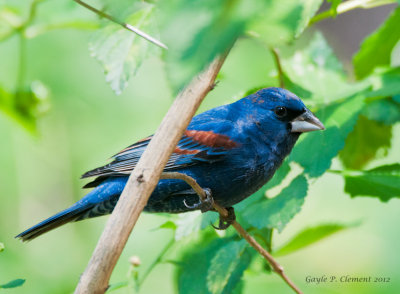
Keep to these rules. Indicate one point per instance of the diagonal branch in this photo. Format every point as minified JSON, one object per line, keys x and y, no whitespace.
{"x":143,"y":180}
{"x":125,"y":25}
{"x":242,"y":232}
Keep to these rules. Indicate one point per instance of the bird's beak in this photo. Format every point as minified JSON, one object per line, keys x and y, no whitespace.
{"x":306,"y":122}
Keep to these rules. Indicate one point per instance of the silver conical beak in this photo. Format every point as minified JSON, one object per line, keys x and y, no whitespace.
{"x":306,"y":122}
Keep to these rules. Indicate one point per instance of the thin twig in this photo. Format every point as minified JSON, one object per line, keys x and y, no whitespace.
{"x":242,"y":232}
{"x":281,"y":74}
{"x":143,"y":180}
{"x":125,"y":25}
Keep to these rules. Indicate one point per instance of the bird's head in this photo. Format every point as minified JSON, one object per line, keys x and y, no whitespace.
{"x":284,"y":110}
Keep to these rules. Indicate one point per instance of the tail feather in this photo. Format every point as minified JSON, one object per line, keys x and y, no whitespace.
{"x":99,"y":201}
{"x":68,"y":215}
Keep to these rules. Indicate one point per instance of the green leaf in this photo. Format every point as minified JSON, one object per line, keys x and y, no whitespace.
{"x":296,"y":88}
{"x":316,"y":150}
{"x":384,"y":82}
{"x":13,"y":284}
{"x":121,"y":52}
{"x":386,"y":111}
{"x":309,"y":236}
{"x":277,"y":23}
{"x":375,"y":50}
{"x":281,"y":22}
{"x":168,"y":225}
{"x":191,"y":273}
{"x":2,"y":247}
{"x":192,"y":222}
{"x":278,"y":211}
{"x":382,"y":182}
{"x":310,"y":7}
{"x":364,"y":141}
{"x":196,"y":31}
{"x":334,"y":5}
{"x":224,"y":271}
{"x":316,"y":69}
{"x":26,"y":105}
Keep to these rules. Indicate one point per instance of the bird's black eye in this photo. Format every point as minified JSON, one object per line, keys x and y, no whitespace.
{"x":280,"y":111}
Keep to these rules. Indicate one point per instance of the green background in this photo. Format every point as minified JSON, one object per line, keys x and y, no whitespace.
{"x":87,"y":123}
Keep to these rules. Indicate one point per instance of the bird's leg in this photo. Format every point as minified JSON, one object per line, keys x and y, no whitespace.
{"x":205,"y":204}
{"x":226,"y":221}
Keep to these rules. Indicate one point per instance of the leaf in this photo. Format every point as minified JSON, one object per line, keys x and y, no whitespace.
{"x":1,"y":247}
{"x":191,"y":274}
{"x":281,"y":22}
{"x":13,"y":284}
{"x":191,"y":222}
{"x":317,"y":70}
{"x":197,"y":31}
{"x":277,"y":23}
{"x":384,"y":82}
{"x":26,"y":105}
{"x":386,"y":111}
{"x":227,"y":267}
{"x":364,"y":141}
{"x":168,"y":225}
{"x":334,"y":5}
{"x":121,"y":52}
{"x":310,"y":236}
{"x":375,"y":49}
{"x":278,"y":211}
{"x":382,"y":182}
{"x":310,"y":7}
{"x":316,"y":150}
{"x":295,"y":88}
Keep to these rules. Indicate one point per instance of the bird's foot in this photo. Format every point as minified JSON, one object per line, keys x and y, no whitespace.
{"x":226,"y":221}
{"x":204,"y":204}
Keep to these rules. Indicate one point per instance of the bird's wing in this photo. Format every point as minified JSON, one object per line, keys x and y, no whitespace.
{"x":193,"y":148}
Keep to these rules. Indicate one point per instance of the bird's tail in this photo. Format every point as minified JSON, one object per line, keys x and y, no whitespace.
{"x":68,"y":215}
{"x":99,"y":201}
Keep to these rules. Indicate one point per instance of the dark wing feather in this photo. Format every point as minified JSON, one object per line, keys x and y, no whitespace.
{"x":194,"y":147}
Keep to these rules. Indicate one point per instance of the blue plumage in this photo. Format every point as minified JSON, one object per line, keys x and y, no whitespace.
{"x":233,"y":150}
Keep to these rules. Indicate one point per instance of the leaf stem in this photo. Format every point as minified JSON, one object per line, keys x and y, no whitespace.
{"x":20,"y":83}
{"x":348,"y":6}
{"x":278,"y":64}
{"x":125,"y":25}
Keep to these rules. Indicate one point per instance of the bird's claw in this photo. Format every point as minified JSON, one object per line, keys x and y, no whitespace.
{"x":204,"y":204}
{"x":225,"y":222}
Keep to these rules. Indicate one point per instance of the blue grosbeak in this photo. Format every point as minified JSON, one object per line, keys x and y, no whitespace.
{"x":231,"y":150}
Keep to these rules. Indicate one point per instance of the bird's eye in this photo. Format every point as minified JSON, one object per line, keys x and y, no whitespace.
{"x":280,"y":111}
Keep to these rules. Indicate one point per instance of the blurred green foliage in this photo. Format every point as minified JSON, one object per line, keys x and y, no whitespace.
{"x":273,"y":46}
{"x":13,"y":283}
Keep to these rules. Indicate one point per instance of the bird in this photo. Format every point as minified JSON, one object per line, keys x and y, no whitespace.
{"x":231,"y":151}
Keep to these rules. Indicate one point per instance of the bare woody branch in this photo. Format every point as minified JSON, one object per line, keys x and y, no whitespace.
{"x":242,"y":232}
{"x":143,"y":180}
{"x":125,"y":25}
